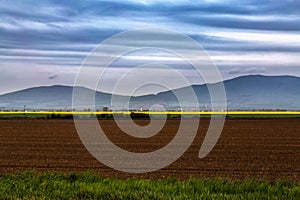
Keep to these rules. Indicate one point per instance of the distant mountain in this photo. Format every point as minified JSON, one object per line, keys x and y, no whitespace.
{"x":49,"y":98}
{"x":246,"y":93}
{"x":243,"y":93}
{"x":263,"y":92}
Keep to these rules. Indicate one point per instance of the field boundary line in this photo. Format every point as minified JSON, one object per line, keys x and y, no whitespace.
{"x":152,"y":112}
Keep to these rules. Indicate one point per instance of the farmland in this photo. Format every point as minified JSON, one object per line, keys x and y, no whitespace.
{"x":247,"y":148}
{"x":252,"y":155}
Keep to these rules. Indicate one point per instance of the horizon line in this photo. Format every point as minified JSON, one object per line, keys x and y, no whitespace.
{"x":156,"y":112}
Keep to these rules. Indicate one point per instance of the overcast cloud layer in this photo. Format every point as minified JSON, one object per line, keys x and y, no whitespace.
{"x":45,"y":42}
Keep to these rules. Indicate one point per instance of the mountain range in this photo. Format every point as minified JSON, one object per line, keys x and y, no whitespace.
{"x":255,"y":92}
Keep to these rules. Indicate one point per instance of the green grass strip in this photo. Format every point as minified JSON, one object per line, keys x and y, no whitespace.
{"x":87,"y":186}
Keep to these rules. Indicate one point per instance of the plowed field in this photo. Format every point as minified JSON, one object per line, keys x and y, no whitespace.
{"x":248,"y":148}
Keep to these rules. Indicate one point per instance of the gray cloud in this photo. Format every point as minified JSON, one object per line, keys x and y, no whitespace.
{"x":53,"y":34}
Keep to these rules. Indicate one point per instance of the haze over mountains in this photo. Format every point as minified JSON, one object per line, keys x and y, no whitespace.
{"x":253,"y":92}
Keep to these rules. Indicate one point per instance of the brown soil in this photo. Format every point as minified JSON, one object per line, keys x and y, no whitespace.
{"x":248,"y":148}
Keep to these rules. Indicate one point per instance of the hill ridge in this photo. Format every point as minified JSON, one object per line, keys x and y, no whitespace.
{"x":246,"y":92}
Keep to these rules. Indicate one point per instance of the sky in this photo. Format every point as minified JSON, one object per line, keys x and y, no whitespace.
{"x":45,"y":42}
